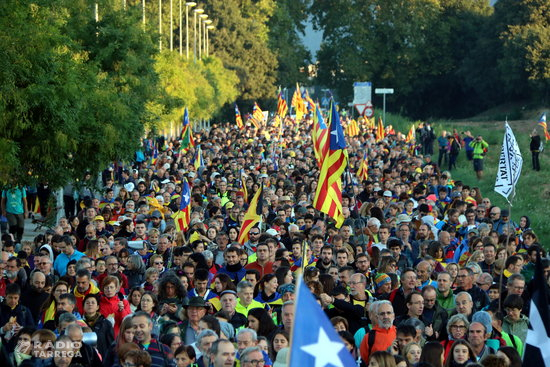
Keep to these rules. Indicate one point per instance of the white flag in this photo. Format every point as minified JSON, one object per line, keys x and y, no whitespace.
{"x":509,"y":166}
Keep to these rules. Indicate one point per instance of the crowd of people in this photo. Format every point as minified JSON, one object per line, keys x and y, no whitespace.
{"x":424,"y":271}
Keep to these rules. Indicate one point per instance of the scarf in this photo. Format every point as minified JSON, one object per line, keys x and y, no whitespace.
{"x":91,"y":320}
{"x":20,"y":357}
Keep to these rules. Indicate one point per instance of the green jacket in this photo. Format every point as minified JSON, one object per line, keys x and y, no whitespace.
{"x":513,"y":341}
{"x":478,"y":147}
{"x":447,"y":303}
{"x":518,"y":328}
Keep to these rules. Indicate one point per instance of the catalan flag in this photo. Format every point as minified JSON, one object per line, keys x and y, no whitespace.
{"x":198,"y":160}
{"x":154,"y":156}
{"x":183,"y":215}
{"x":238,"y":118}
{"x":319,"y":135}
{"x":363,"y":171}
{"x":257,"y":115}
{"x":328,"y":196}
{"x":411,"y":135}
{"x":282,"y":107}
{"x":310,"y":103}
{"x":542,"y":123}
{"x":186,"y":132}
{"x":380,"y":130}
{"x":352,"y":129}
{"x":298,"y":104}
{"x":252,"y":217}
{"x":243,"y":188}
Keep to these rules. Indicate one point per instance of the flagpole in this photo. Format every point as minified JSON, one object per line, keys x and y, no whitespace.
{"x":299,"y":282}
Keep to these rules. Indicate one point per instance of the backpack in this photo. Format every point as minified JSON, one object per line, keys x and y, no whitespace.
{"x":455,"y":147}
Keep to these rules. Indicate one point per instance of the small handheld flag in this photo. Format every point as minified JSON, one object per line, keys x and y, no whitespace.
{"x":238,"y":118}
{"x":183,"y":215}
{"x":542,"y":123}
{"x":509,"y":168}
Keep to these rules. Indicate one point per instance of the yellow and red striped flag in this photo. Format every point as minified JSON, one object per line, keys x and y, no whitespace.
{"x":282,"y":107}
{"x":252,"y":217}
{"x":238,"y":118}
{"x":411,"y":135}
{"x":352,"y":129}
{"x":328,"y":196}
{"x":257,"y":115}
{"x":363,"y":171}
{"x":183,"y":215}
{"x":542,"y":123}
{"x":298,"y":104}
{"x":380,"y":134}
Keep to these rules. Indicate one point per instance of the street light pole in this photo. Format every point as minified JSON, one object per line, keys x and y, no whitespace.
{"x":188,"y":5}
{"x":143,"y":11}
{"x":160,"y":25}
{"x":195,"y":13}
{"x":208,"y":40}
{"x":202,"y":17}
{"x":171,"y":25}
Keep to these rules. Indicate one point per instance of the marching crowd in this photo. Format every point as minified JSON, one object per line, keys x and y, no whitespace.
{"x":424,"y":271}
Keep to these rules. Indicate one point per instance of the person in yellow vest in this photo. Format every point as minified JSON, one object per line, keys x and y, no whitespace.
{"x":246,"y":301}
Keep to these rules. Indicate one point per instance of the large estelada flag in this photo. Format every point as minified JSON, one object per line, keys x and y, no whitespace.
{"x":314,"y":341}
{"x":328,"y":196}
{"x":183,"y":215}
{"x":252,"y":217}
{"x":537,"y":344}
{"x":319,"y":135}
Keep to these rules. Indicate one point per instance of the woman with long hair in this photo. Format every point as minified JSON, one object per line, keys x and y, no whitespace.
{"x":433,"y":353}
{"x":381,"y":359}
{"x":260,"y":321}
{"x":223,"y":282}
{"x":49,"y":307}
{"x":280,"y":340}
{"x":460,"y":355}
{"x":149,"y":303}
{"x":125,"y":336}
{"x":134,"y":297}
{"x":266,"y":291}
{"x":172,"y":296}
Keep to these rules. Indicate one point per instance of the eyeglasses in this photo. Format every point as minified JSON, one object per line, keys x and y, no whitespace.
{"x":256,"y":362}
{"x":158,"y":262}
{"x":254,"y":233}
{"x":458,"y":327}
{"x":113,"y":264}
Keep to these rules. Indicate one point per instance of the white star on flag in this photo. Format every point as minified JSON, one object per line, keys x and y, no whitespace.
{"x":325,"y":351}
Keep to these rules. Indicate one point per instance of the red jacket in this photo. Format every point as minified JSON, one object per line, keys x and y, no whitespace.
{"x":109,"y":306}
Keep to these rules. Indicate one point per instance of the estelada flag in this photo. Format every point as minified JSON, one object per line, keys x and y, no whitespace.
{"x":238,"y":118}
{"x":380,"y":134}
{"x":282,"y":107}
{"x":183,"y":215}
{"x":363,"y":171}
{"x":411,"y":135}
{"x":252,"y":217}
{"x":542,"y":123}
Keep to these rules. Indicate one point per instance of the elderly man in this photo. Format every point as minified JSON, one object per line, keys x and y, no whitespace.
{"x":205,"y":340}
{"x":34,"y":295}
{"x":464,"y":305}
{"x":359,"y":294}
{"x":253,"y":357}
{"x":382,"y":335}
{"x":433,"y":313}
{"x":424,"y":270}
{"x":287,"y":315}
{"x":228,"y":301}
{"x":246,"y":302}
{"x":86,"y":355}
{"x":194,"y":312}
{"x":465,"y":282}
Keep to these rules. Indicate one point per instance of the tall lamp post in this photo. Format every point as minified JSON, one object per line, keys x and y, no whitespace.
{"x":160,"y":25}
{"x":188,"y":5}
{"x":171,"y":25}
{"x":206,"y":23}
{"x":195,"y":13}
{"x":209,"y":27}
{"x":203,"y":18}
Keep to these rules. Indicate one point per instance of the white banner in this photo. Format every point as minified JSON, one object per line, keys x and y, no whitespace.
{"x":509,"y":166}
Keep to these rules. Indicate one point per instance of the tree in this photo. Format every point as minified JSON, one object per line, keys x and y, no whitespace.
{"x":240,"y":40}
{"x":66,"y":106}
{"x":285,"y":26}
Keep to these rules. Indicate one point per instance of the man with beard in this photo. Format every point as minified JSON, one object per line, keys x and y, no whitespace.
{"x":326,"y":259}
{"x":383,"y":333}
{"x":233,"y":266}
{"x":34,"y":295}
